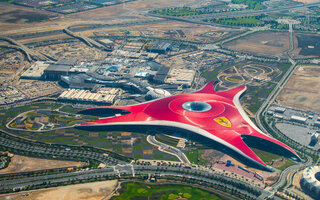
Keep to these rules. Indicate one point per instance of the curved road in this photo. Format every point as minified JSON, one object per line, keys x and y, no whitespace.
{"x":169,"y":149}
{"x":286,"y":176}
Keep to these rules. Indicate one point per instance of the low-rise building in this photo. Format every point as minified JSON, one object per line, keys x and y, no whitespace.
{"x":103,"y":95}
{"x":298,"y":119}
{"x":54,"y":71}
{"x":181,"y":76}
{"x":36,"y":70}
{"x":160,"y":47}
{"x":279,"y":109}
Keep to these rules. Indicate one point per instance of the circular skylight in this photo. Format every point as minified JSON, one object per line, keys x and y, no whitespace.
{"x":196,"y":106}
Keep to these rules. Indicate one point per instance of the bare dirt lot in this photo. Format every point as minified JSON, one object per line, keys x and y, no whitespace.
{"x":211,"y":155}
{"x":24,"y":164}
{"x":266,"y":43}
{"x":21,"y":16}
{"x":115,"y":13}
{"x":303,"y":89}
{"x":86,"y":191}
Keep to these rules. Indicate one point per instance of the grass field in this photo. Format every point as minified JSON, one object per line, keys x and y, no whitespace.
{"x":278,"y":162}
{"x":252,"y":4}
{"x":210,"y":74}
{"x":70,"y":109}
{"x":177,"y":12}
{"x":167,"y":140}
{"x":141,"y":191}
{"x":240,"y":21}
{"x":195,"y":157}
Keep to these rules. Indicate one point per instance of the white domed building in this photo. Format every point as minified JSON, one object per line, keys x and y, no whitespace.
{"x":310,"y":181}
{"x":157,"y":93}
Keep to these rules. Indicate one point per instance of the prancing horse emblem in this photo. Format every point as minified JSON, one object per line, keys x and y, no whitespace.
{"x":223,"y":121}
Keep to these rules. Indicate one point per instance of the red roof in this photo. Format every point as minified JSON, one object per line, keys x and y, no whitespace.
{"x":224,"y":122}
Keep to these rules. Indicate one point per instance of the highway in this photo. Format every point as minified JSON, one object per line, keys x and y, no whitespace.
{"x":199,"y":175}
{"x":253,"y":12}
{"x":85,"y":27}
{"x":51,"y":151}
{"x":272,"y":96}
{"x":30,"y":53}
{"x":56,"y":178}
{"x":286,"y":176}
{"x":18,"y":48}
{"x":120,"y":170}
{"x":90,"y":42}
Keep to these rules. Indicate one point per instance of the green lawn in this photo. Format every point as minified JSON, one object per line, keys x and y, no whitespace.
{"x":252,"y":4}
{"x":137,"y":147}
{"x":163,"y":192}
{"x":167,"y":140}
{"x":238,"y":21}
{"x":286,"y":164}
{"x":93,"y":142}
{"x":158,"y":156}
{"x":267,"y":157}
{"x":145,"y":143}
{"x":195,"y":157}
{"x":137,"y":156}
{"x":177,"y":12}
{"x":212,"y":75}
{"x":70,"y":109}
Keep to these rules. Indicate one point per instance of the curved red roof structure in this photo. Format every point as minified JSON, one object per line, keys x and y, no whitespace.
{"x":215,"y":115}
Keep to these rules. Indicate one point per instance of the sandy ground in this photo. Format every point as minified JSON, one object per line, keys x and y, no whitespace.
{"x":296,"y":188}
{"x":211,"y":155}
{"x":302,"y":91}
{"x":86,"y":191}
{"x":115,"y":13}
{"x":296,"y":179}
{"x":265,"y":43}
{"x":24,"y":164}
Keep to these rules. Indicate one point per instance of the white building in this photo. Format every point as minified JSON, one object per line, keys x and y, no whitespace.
{"x":310,"y":180}
{"x":157,"y":93}
{"x":104,"y":95}
{"x":36,"y":70}
{"x":298,"y":119}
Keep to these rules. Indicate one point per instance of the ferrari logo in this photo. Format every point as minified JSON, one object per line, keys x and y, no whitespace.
{"x":223,"y":121}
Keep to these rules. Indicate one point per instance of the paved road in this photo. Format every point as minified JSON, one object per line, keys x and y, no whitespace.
{"x":286,"y":176}
{"x":90,"y":42}
{"x":39,"y":130}
{"x":56,"y":178}
{"x":50,"y":151}
{"x":86,"y":27}
{"x":253,"y":12}
{"x":272,"y":96}
{"x":120,"y":170}
{"x":169,"y":149}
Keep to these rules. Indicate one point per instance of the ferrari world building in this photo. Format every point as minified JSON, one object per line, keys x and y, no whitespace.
{"x":215,"y":118}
